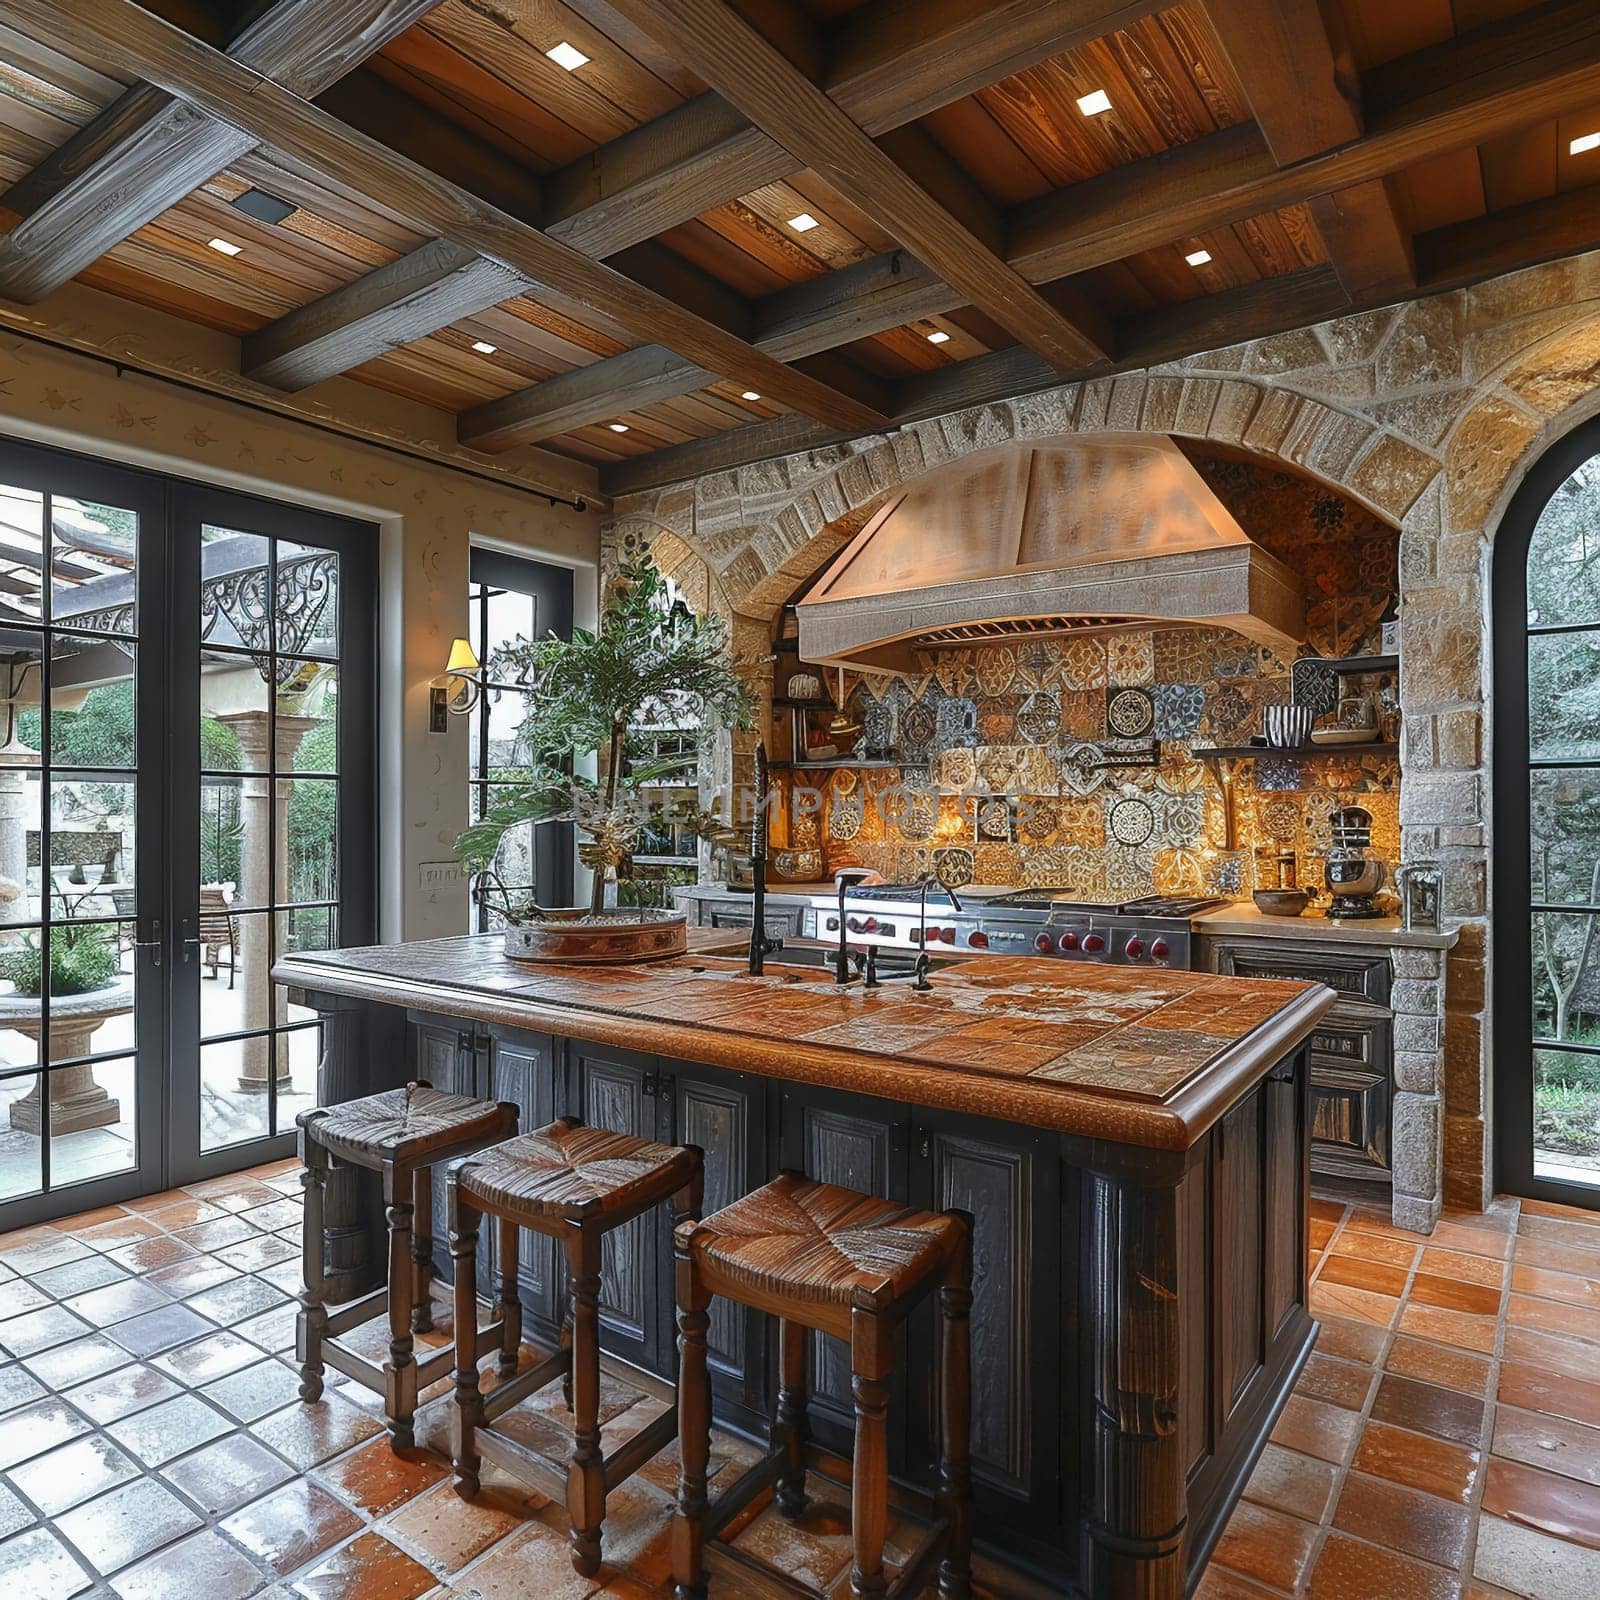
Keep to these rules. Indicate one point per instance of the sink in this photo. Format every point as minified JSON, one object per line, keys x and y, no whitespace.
{"x":891,"y":963}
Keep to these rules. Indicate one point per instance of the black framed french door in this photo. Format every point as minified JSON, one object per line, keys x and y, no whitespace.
{"x":154,"y":636}
{"x":1546,"y":864}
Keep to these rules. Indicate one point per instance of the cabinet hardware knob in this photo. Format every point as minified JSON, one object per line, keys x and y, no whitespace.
{"x":927,"y":1147}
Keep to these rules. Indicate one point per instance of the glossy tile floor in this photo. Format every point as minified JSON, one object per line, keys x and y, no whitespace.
{"x":1443,"y":1442}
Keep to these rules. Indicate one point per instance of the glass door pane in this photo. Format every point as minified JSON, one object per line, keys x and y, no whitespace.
{"x":80,"y":1004}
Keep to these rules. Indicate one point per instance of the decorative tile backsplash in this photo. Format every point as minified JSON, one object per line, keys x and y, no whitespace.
{"x":1068,"y":762}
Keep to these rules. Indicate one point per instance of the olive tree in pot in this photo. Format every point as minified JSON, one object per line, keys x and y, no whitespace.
{"x":652,"y":663}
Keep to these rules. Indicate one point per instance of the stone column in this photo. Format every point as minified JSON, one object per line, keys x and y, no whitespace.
{"x":265,"y":822}
{"x":14,"y":816}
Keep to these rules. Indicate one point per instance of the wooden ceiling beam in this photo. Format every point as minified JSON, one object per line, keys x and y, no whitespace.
{"x":231,"y":92}
{"x":146,"y":151}
{"x":1304,"y":91}
{"x":749,"y":70}
{"x":1209,"y":183}
{"x":886,"y":65}
{"x":1452,"y":257}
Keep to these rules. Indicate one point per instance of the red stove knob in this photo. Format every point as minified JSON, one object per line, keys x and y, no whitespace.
{"x":1159,"y":950}
{"x":1133,"y":949}
{"x":1093,"y":943}
{"x":853,"y":924}
{"x":948,"y":935}
{"x":1069,"y":941}
{"x":1043,"y":944}
{"x":978,"y":939}
{"x":869,"y":925}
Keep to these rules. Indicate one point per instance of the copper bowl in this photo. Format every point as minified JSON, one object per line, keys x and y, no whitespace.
{"x":1281,"y":902}
{"x":575,"y":935}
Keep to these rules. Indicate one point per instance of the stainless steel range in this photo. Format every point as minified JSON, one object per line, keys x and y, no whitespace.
{"x":1153,"y":931}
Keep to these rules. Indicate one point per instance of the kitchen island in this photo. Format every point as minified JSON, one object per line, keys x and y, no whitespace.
{"x":1132,"y":1144}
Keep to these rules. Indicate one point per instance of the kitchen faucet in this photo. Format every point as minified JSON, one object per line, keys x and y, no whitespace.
{"x":762,"y":943}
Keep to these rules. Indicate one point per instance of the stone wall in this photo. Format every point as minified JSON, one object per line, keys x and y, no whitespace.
{"x":1428,"y":414}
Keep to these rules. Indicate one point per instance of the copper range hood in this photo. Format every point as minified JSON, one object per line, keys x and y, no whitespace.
{"x":1116,"y":529}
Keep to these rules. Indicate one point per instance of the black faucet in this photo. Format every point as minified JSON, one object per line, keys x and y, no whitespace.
{"x":762,"y":943}
{"x":841,"y":960}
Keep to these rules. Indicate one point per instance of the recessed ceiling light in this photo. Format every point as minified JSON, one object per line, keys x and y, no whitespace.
{"x":262,"y":206}
{"x":225,"y":247}
{"x":804,"y":223}
{"x":938,"y":336}
{"x":1584,"y":143}
{"x":1091,"y":105}
{"x":750,"y":394}
{"x":1198,"y":258}
{"x":568,"y":56}
{"x":618,"y":427}
{"x":483,"y":347}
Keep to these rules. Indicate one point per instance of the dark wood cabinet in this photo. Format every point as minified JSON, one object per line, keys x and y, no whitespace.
{"x":522,"y":1068}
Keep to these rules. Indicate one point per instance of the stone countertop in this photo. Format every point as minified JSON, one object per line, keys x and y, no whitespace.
{"x":1139,"y":1057}
{"x":801,"y":893}
{"x":1312,"y":928}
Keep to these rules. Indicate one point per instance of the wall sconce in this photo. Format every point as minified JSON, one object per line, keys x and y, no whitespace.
{"x":461,"y":692}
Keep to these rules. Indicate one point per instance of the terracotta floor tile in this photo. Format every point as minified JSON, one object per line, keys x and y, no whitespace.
{"x":256,"y":1255}
{"x":1358,"y":1273}
{"x":204,"y":1564}
{"x":1327,"y":1210}
{"x":368,"y":1568}
{"x":191,"y":1275}
{"x":1449,"y":1327}
{"x":272,"y":1330}
{"x":1472,"y":1241}
{"x":17,"y":1386}
{"x":1480,"y":1299}
{"x":1375,"y":1247}
{"x":281,"y":1212}
{"x":20,"y":1295}
{"x":30,"y":1430}
{"x":143,"y":1254}
{"x":1316,"y":1429}
{"x":159,"y":1330}
{"x":1359,"y":1305}
{"x":1553,"y":1443}
{"x":236,"y":1300}
{"x":38,"y":1330}
{"x":116,"y":1302}
{"x":1561,"y":1230}
{"x":154,"y":1202}
{"x":1538,"y":1389}
{"x":376,"y":1481}
{"x":1570,"y":1287}
{"x":184,"y":1213}
{"x":205,"y":1360}
{"x":533,"y":1561}
{"x":445,"y":1532}
{"x":36,"y":1566}
{"x":1529,"y":1563}
{"x":305,"y":1435}
{"x":126,"y":1524}
{"x":1559,"y":1506}
{"x":213,"y":1235}
{"x":85,"y":1220}
{"x":171,"y":1429}
{"x":1355,"y":1341}
{"x":237,"y":1192}
{"x":1349,"y":1570}
{"x":1427,"y":1408}
{"x":1287,"y":1481}
{"x":1403,"y":1519}
{"x":77,"y":1362}
{"x":1573,"y":1358}
{"x":121,"y":1393}
{"x":14,"y":1515}
{"x":256,"y":1390}
{"x":1319,"y":1233}
{"x":1435,"y":1466}
{"x":227,"y":1474}
{"x":125,"y":1229}
{"x":91,"y":1273}
{"x":1363,"y":1221}
{"x":1557,"y":1257}
{"x":291,"y":1526}
{"x":38,"y":1251}
{"x":1340,"y":1383}
{"x":1551,"y":1208}
{"x":73,"y":1473}
{"x":1220,"y":1583}
{"x":1526,"y":1311}
{"x":1446,"y":1365}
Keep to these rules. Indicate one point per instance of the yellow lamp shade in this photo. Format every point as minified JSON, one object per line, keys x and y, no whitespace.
{"x":461,"y":657}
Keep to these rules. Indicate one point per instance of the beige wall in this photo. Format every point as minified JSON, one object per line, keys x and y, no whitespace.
{"x":428,"y":514}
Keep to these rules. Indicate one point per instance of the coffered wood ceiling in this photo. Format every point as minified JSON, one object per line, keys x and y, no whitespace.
{"x":622,"y":234}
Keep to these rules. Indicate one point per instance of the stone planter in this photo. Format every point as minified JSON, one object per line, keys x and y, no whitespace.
{"x":76,"y":1100}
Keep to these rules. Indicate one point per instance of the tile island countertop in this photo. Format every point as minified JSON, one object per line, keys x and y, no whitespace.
{"x":1139,"y":1057}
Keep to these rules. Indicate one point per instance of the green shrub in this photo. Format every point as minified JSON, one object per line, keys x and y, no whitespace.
{"x":82,"y":959}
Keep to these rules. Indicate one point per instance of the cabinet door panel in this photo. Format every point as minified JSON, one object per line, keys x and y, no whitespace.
{"x":614,"y":1093}
{"x":1239,"y":1162}
{"x":522,"y":1070}
{"x":442,"y":1054}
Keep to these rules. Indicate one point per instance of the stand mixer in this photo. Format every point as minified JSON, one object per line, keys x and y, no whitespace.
{"x":1353,"y":876}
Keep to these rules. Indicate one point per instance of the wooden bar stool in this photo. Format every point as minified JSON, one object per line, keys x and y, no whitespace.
{"x":401,"y":1134}
{"x":573,"y":1184}
{"x":852,"y":1265}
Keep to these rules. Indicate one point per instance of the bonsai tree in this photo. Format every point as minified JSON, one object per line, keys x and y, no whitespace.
{"x":652,"y":663}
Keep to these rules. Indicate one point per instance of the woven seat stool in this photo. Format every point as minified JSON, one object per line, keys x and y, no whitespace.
{"x":852,"y":1265}
{"x":573,"y":1184}
{"x":400,"y":1134}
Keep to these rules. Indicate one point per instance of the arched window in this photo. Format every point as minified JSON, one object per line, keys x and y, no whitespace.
{"x":1546,"y":864}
